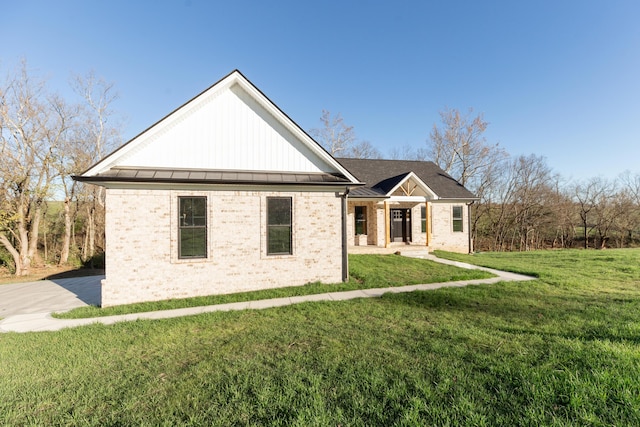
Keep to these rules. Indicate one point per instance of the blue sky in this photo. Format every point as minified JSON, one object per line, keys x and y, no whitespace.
{"x":559,"y":79}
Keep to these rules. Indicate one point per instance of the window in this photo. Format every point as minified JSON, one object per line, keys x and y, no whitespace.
{"x":457,"y":218}
{"x":361,"y":220}
{"x":279,"y":226}
{"x":423,"y":218}
{"x":192,"y":228}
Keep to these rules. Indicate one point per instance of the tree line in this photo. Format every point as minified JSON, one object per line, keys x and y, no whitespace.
{"x":523,"y":204}
{"x":48,"y":218}
{"x":45,"y":216}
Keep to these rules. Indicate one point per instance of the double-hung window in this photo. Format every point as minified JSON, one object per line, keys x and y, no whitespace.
{"x":192,"y":227}
{"x":423,"y":219}
{"x":279,"y":226}
{"x":361,"y":220}
{"x":457,"y":218}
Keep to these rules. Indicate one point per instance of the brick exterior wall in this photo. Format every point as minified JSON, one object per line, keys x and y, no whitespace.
{"x":443,"y":236}
{"x":417,"y":236}
{"x":373,"y":224}
{"x":142,"y":261}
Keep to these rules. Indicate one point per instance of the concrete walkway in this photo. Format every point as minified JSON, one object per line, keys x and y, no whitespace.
{"x":38,"y":317}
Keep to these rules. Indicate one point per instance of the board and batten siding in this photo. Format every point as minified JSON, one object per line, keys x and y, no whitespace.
{"x":226,"y":130}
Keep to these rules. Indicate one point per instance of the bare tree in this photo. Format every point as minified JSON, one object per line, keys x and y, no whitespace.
{"x":33,"y":125}
{"x":631,"y":183}
{"x":407,"y":152}
{"x":334,"y":135}
{"x":43,"y":141}
{"x":364,"y":150}
{"x":98,"y":132}
{"x":564,"y":215}
{"x":625,"y":217}
{"x":459,"y":147}
{"x":532,"y":204}
{"x":588,"y":195}
{"x":629,"y":195}
{"x":610,"y":210}
{"x":340,"y":140}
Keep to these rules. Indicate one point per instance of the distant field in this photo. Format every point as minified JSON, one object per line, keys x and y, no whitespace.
{"x":561,"y":350}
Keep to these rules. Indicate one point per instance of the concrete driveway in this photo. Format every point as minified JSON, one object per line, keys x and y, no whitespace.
{"x":49,"y":295}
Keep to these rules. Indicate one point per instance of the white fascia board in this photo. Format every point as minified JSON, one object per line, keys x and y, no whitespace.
{"x":366,"y":199}
{"x":411,"y":199}
{"x":225,"y":187}
{"x":420,"y":183}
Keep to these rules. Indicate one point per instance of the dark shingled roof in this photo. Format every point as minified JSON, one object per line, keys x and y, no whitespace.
{"x":381,"y":176}
{"x":189,"y":176}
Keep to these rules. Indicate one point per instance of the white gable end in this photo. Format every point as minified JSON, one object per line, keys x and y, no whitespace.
{"x":227,"y":130}
{"x":231,"y":126}
{"x":412,"y":186}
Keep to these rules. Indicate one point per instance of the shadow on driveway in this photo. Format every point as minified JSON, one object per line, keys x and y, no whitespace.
{"x":87,"y":289}
{"x":49,"y":295}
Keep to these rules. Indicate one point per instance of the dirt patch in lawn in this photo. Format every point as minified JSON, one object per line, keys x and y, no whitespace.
{"x":47,"y":272}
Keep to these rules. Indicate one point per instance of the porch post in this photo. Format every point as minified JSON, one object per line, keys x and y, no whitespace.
{"x":469,"y":227}
{"x":427,"y":221}
{"x":387,"y":225}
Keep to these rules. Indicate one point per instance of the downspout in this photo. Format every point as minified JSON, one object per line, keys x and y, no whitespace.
{"x":469,"y":227}
{"x":345,"y":253}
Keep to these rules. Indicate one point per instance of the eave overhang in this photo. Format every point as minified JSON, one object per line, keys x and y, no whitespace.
{"x":131,"y":177}
{"x":458,"y":200}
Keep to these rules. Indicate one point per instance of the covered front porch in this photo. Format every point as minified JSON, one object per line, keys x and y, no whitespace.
{"x":406,"y":204}
{"x":397,"y":216}
{"x":389,"y":223}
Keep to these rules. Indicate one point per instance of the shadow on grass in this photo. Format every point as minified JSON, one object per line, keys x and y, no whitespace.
{"x":505,"y":308}
{"x":598,"y":334}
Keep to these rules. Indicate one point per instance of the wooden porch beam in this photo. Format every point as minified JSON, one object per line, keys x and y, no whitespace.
{"x":387,"y":225}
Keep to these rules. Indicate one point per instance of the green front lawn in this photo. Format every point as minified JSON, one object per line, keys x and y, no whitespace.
{"x":562,"y":350}
{"x":366,"y":272}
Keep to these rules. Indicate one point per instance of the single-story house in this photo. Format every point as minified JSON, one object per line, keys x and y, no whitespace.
{"x":228,"y":194}
{"x":407,"y":203}
{"x":225,"y":194}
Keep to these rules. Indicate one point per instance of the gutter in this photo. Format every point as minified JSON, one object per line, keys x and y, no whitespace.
{"x":345,"y":253}
{"x":469,"y":226}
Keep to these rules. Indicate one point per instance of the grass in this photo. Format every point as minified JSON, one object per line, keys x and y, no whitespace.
{"x":366,"y":271}
{"x":564,"y":268}
{"x":563,"y":350}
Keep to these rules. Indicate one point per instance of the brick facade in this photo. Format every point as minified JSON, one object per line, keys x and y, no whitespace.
{"x":142,"y":261}
{"x":442,"y":235}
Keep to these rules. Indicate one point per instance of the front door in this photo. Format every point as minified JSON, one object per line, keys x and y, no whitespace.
{"x":400,"y":225}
